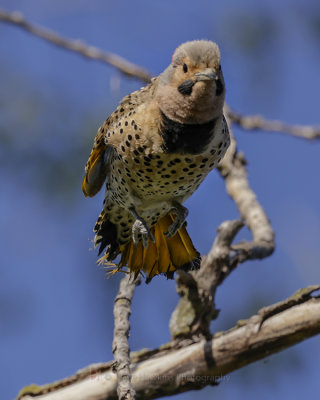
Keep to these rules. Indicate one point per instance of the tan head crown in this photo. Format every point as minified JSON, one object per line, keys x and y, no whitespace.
{"x":197,"y":52}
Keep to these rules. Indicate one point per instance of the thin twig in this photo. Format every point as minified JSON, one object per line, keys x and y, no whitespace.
{"x":120,"y":346}
{"x":255,"y":122}
{"x":125,"y":67}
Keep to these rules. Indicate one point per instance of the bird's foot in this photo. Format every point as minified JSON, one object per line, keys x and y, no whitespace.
{"x":140,"y":230}
{"x":180,"y":212}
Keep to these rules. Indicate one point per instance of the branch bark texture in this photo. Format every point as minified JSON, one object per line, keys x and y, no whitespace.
{"x":120,"y":346}
{"x":169,"y":370}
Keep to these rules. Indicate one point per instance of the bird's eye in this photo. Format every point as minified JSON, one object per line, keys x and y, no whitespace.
{"x":185,"y":68}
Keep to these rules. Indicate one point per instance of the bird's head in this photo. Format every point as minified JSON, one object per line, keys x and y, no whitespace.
{"x":191,"y":89}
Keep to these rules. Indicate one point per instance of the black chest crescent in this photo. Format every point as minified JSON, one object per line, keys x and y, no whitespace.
{"x":185,"y":138}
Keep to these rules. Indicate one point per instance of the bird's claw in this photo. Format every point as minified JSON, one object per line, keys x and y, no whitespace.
{"x":181,"y":214}
{"x":141,"y":231}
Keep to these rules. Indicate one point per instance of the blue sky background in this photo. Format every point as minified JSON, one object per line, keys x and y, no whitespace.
{"x":55,"y":304}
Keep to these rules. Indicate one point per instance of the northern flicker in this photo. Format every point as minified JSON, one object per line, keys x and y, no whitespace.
{"x":153,"y":152}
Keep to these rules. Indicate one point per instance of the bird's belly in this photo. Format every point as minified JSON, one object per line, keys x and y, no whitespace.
{"x":153,"y":180}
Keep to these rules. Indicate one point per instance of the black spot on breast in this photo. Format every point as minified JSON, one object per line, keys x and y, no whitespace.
{"x":185,"y":138}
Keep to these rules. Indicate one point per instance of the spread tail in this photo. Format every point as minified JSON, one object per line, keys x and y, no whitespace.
{"x":164,"y":256}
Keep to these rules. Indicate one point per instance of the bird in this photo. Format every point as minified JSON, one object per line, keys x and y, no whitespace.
{"x":152,"y":153}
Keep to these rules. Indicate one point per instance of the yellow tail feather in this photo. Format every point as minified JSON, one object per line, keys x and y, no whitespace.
{"x":162,"y":257}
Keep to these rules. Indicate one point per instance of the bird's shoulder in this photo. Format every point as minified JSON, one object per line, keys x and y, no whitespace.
{"x":136,"y":119}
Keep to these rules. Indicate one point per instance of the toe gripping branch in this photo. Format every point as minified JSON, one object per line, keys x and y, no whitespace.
{"x":141,"y":231}
{"x":180,"y":212}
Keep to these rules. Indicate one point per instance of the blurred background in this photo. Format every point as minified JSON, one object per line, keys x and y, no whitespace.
{"x":55,"y":303}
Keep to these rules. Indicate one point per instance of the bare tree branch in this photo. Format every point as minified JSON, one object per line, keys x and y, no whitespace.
{"x":255,"y":122}
{"x":168,"y":370}
{"x":125,"y":67}
{"x":120,"y":347}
